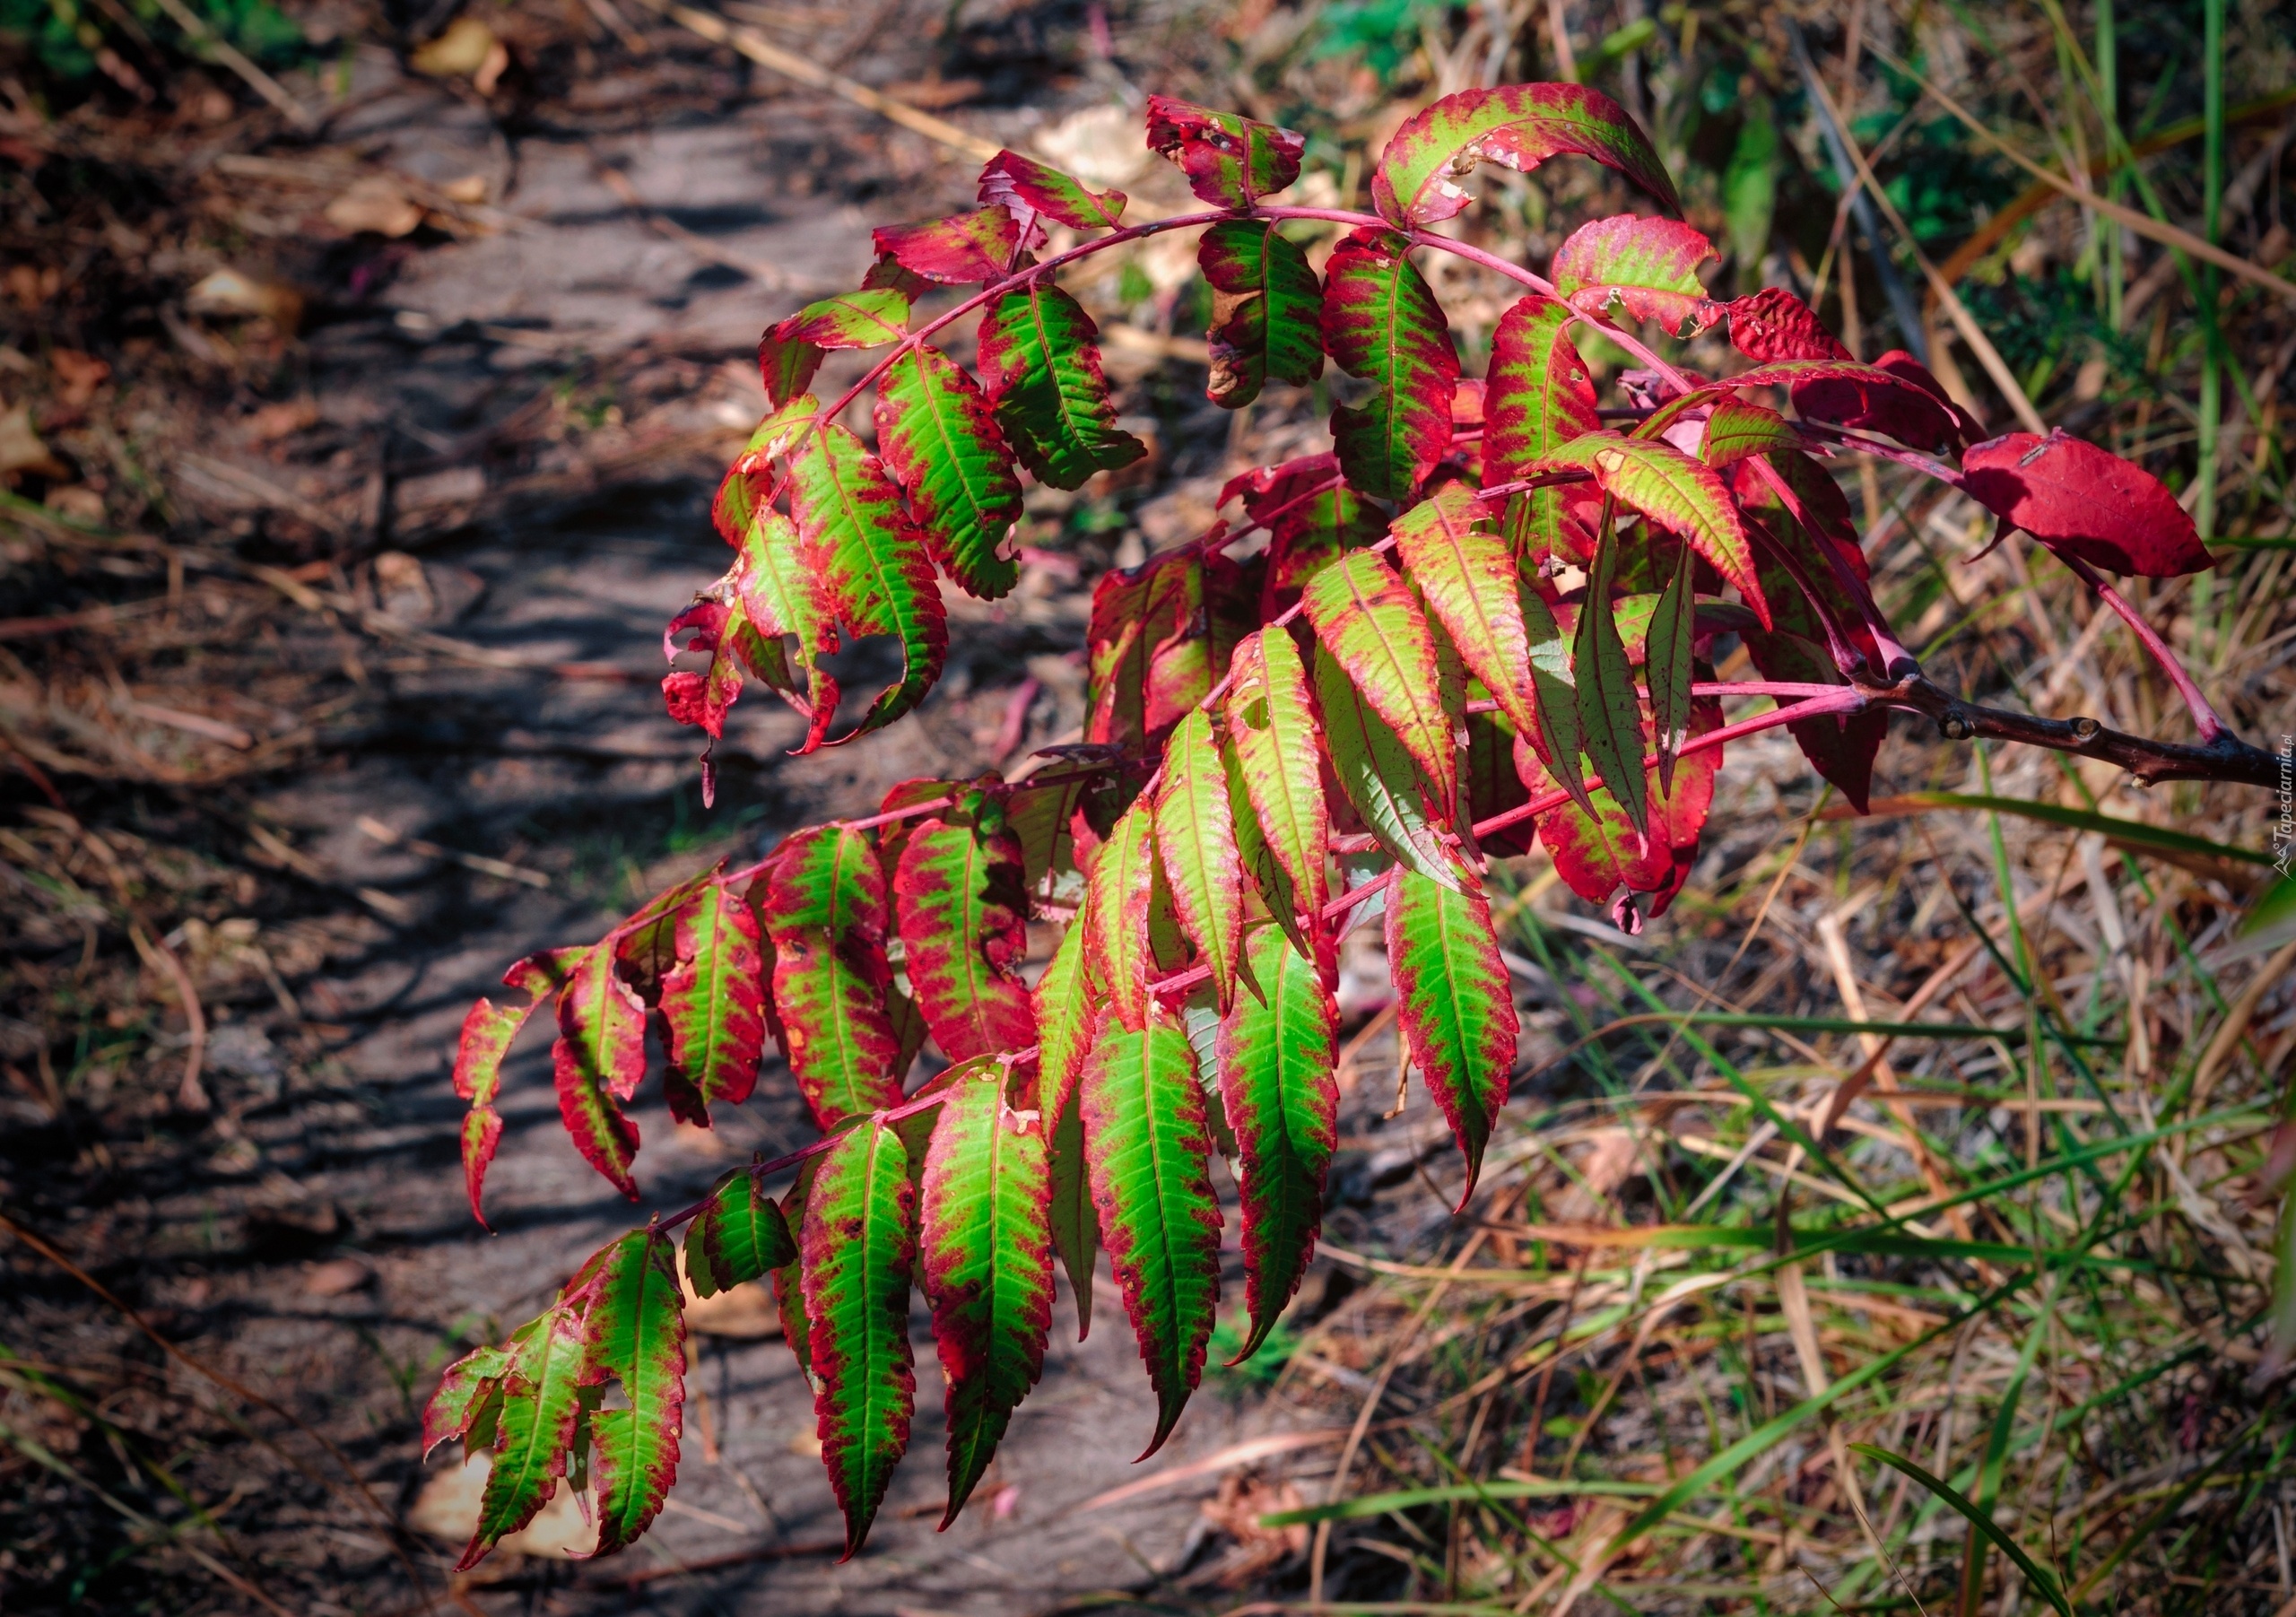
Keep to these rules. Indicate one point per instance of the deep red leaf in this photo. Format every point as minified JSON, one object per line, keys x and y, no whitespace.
{"x":1775,"y":325}
{"x":2081,"y":500}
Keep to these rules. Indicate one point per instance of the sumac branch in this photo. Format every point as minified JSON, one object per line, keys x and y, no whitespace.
{"x":1484,"y":615}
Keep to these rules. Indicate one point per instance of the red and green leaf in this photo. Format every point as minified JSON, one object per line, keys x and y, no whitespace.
{"x":599,"y":1058}
{"x":466,"y":1402}
{"x":1196,"y":838}
{"x":533,"y":1427}
{"x":825,"y":910}
{"x":1231,"y":161}
{"x":984,"y":246}
{"x":787,"y":368}
{"x":1646,"y":267}
{"x":1382,"y":323}
{"x":779,"y":593}
{"x":1041,"y":364}
{"x":963,"y":918}
{"x":1680,"y":495}
{"x":869,"y":318}
{"x":714,"y":999}
{"x":1516,"y":125}
{"x":2081,"y":501}
{"x":937,"y":434}
{"x":1151,"y":654}
{"x":1119,"y":889}
{"x":1144,"y":1145}
{"x":986,"y":1241}
{"x":1377,"y":775}
{"x":1738,"y":427}
{"x":1453,"y":1002}
{"x":1023,"y":185}
{"x":1470,"y":583}
{"x":1367,"y":618}
{"x":1065,"y":1013}
{"x":1277,"y":1085}
{"x":1266,"y":309}
{"x":1597,"y":854}
{"x":874,"y":566}
{"x":739,"y":1236}
{"x":788,"y":1282}
{"x":1273,"y":736}
{"x":634,"y":1331}
{"x":487,"y":1034}
{"x":856,"y":1253}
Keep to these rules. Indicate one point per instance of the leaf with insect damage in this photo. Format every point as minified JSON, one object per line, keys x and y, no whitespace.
{"x":855,"y":1256}
{"x":939,"y":438}
{"x":872,"y":564}
{"x":1645,"y":268}
{"x":1382,"y":323}
{"x":467,"y":1402}
{"x":1267,"y":310}
{"x":1040,"y":366}
{"x":633,"y":1332}
{"x":1517,"y":126}
{"x":1024,"y":186}
{"x":713,"y":999}
{"x":984,"y":246}
{"x":1144,"y":1143}
{"x":1369,"y":621}
{"x":1775,"y":325}
{"x":963,"y":918}
{"x":1276,"y":1062}
{"x":986,"y":1241}
{"x":1196,"y":838}
{"x":2084,"y":502}
{"x":869,"y":318}
{"x":824,"y":911}
{"x":1455,"y":1009}
{"x":1231,"y":161}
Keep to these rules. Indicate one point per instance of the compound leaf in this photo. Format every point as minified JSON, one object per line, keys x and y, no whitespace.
{"x":534,"y":1427}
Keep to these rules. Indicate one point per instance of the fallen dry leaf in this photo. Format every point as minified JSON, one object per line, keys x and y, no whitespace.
{"x":77,"y":375}
{"x":374,"y":204}
{"x":458,"y":53}
{"x":234,"y":292}
{"x":21,"y":449}
{"x":447,"y":1510}
{"x":337,"y":1277}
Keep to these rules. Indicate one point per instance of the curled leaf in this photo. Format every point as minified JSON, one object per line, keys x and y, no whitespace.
{"x":1646,"y":267}
{"x":986,"y":246}
{"x":1023,"y":185}
{"x":1517,"y":126}
{"x":1266,"y":309}
{"x":1231,"y":161}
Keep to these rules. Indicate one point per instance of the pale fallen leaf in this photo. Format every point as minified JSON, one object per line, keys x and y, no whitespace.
{"x":458,"y":53}
{"x":21,"y":449}
{"x":79,"y":501}
{"x":283,"y":420}
{"x":233,"y":292}
{"x":745,"y":1312}
{"x":447,"y":1510}
{"x":469,"y":190}
{"x":374,"y":204}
